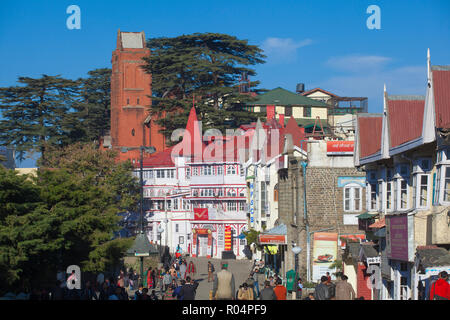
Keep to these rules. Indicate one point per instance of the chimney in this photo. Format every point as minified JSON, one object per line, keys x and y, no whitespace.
{"x":300,"y":88}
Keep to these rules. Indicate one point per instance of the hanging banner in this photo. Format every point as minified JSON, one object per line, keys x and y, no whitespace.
{"x":252,"y":206}
{"x":200,"y":213}
{"x":227,"y":238}
{"x":340,"y":148}
{"x":324,"y":254}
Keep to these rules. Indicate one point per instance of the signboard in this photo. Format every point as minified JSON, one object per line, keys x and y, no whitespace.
{"x":200,"y":213}
{"x":373,"y":260}
{"x":340,"y":148}
{"x":272,"y":239}
{"x":324,"y":254}
{"x":227,"y":238}
{"x":350,"y":219}
{"x":398,"y":237}
{"x":252,"y":205}
{"x":141,"y":254}
{"x":343,"y":181}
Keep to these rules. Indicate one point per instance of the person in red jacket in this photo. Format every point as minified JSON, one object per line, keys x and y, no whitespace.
{"x":280,"y":290}
{"x":440,"y":289}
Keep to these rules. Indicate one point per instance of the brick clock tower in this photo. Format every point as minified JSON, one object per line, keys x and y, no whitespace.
{"x":131,"y":123}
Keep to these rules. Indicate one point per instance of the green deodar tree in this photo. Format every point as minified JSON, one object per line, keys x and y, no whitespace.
{"x":205,"y":68}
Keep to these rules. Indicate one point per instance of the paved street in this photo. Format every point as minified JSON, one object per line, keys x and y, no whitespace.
{"x":239,"y":268}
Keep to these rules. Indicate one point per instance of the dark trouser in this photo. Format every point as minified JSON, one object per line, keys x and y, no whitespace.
{"x":256,"y":286}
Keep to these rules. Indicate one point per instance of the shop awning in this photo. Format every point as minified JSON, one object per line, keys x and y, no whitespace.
{"x":366,"y":215}
{"x":276,"y":235}
{"x":380,"y":233}
{"x":379,"y":224}
{"x":433,"y":256}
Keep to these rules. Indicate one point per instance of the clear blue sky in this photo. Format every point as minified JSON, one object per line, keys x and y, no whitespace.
{"x":320,"y":43}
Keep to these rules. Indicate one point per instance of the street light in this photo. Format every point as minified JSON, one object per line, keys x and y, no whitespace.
{"x":149,"y":150}
{"x":296,"y":250}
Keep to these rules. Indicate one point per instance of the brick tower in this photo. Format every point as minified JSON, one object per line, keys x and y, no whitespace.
{"x":131,"y":124}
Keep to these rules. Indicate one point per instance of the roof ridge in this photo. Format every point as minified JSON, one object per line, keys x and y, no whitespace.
{"x":406,"y":97}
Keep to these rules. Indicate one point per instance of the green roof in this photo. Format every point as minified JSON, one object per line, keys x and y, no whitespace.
{"x":366,"y":215}
{"x":141,"y":245}
{"x":283,"y":97}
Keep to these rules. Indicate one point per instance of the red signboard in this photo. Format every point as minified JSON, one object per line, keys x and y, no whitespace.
{"x":200,"y":213}
{"x":272,"y":239}
{"x":340,"y":147}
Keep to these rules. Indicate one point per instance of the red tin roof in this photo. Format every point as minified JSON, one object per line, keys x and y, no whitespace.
{"x":369,"y":135}
{"x":405,"y":119}
{"x":441,"y":83}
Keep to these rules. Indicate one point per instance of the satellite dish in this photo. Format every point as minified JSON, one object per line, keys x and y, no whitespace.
{"x":160,"y":229}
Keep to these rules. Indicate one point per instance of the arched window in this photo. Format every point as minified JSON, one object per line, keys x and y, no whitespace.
{"x":275,"y":193}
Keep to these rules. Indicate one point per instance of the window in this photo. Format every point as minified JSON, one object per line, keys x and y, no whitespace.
{"x":128,"y":102}
{"x":372,"y":196}
{"x":195,"y":171}
{"x":219,"y":170}
{"x":443,"y":185}
{"x":133,"y":132}
{"x":188,"y":173}
{"x":231,"y":169}
{"x":402,"y":194}
{"x":208,"y":171}
{"x":181,"y":240}
{"x":352,"y":197}
{"x":263,"y":196}
{"x":241,"y":206}
{"x":175,"y":204}
{"x":241,"y":170}
{"x":137,"y":101}
{"x":421,"y":190}
{"x":389,"y":195}
{"x":307,"y":112}
{"x":232,"y":206}
{"x":275,"y":193}
{"x":288,"y":111}
{"x":177,"y":228}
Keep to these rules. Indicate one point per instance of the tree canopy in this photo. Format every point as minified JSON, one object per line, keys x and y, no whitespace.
{"x":49,"y":111}
{"x":66,"y":215}
{"x":205,"y":69}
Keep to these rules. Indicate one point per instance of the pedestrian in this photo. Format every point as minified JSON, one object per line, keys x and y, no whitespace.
{"x":183,"y":269}
{"x":344,"y":290}
{"x":168,"y":294}
{"x":299,"y":289}
{"x":115,"y":295}
{"x":245,"y":292}
{"x":145,"y":295}
{"x":272,"y":281}
{"x":191,"y":270}
{"x":88,"y":293}
{"x":148,"y":281}
{"x":210,"y":271}
{"x":328,"y":278}
{"x":322,"y":291}
{"x":58,"y":292}
{"x":440,"y":289}
{"x":251,"y":283}
{"x":167,"y":280}
{"x":153,"y":296}
{"x":104,"y":292}
{"x":267,"y":293}
{"x":176,"y":292}
{"x":258,"y":280}
{"x":189,"y":289}
{"x":280,"y":290}
{"x":138,"y":293}
{"x":224,"y":286}
{"x":310,"y":297}
{"x":153,"y":277}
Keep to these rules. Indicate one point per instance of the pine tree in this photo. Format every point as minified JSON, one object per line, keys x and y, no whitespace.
{"x":34,"y":112}
{"x":204,"y":68}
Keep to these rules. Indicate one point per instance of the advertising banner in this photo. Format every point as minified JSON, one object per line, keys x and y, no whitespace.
{"x":272,"y":239}
{"x":324,"y":254}
{"x":398,"y":237}
{"x":339,"y":148}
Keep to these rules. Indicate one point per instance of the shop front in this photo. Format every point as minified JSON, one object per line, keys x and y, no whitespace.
{"x":274,"y":242}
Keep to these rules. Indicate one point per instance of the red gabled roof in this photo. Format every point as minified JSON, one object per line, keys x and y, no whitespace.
{"x":298,"y":134}
{"x":405,"y":119}
{"x":441,"y":83}
{"x":160,"y":159}
{"x":192,"y":141}
{"x":318,"y":89}
{"x":369,"y":135}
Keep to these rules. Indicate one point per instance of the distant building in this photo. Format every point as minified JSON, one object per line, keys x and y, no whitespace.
{"x":9,"y":155}
{"x":131,"y":124}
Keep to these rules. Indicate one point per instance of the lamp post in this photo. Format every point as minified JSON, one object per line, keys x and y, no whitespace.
{"x":296,"y":250}
{"x":149,"y":150}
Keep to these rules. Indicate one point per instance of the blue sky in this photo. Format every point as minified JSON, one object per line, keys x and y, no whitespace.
{"x":320,"y":43}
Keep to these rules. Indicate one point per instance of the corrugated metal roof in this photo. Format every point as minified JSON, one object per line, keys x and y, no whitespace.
{"x":283,"y":97}
{"x":369,"y":135}
{"x":405,"y":118}
{"x":441,"y":83}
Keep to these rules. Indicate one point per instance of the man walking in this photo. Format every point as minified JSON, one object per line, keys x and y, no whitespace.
{"x":440,"y":289}
{"x":259,"y":279}
{"x":189,"y":289}
{"x":224,"y":286}
{"x":322,"y":291}
{"x":210,"y":271}
{"x":267,"y":293}
{"x":344,"y":290}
